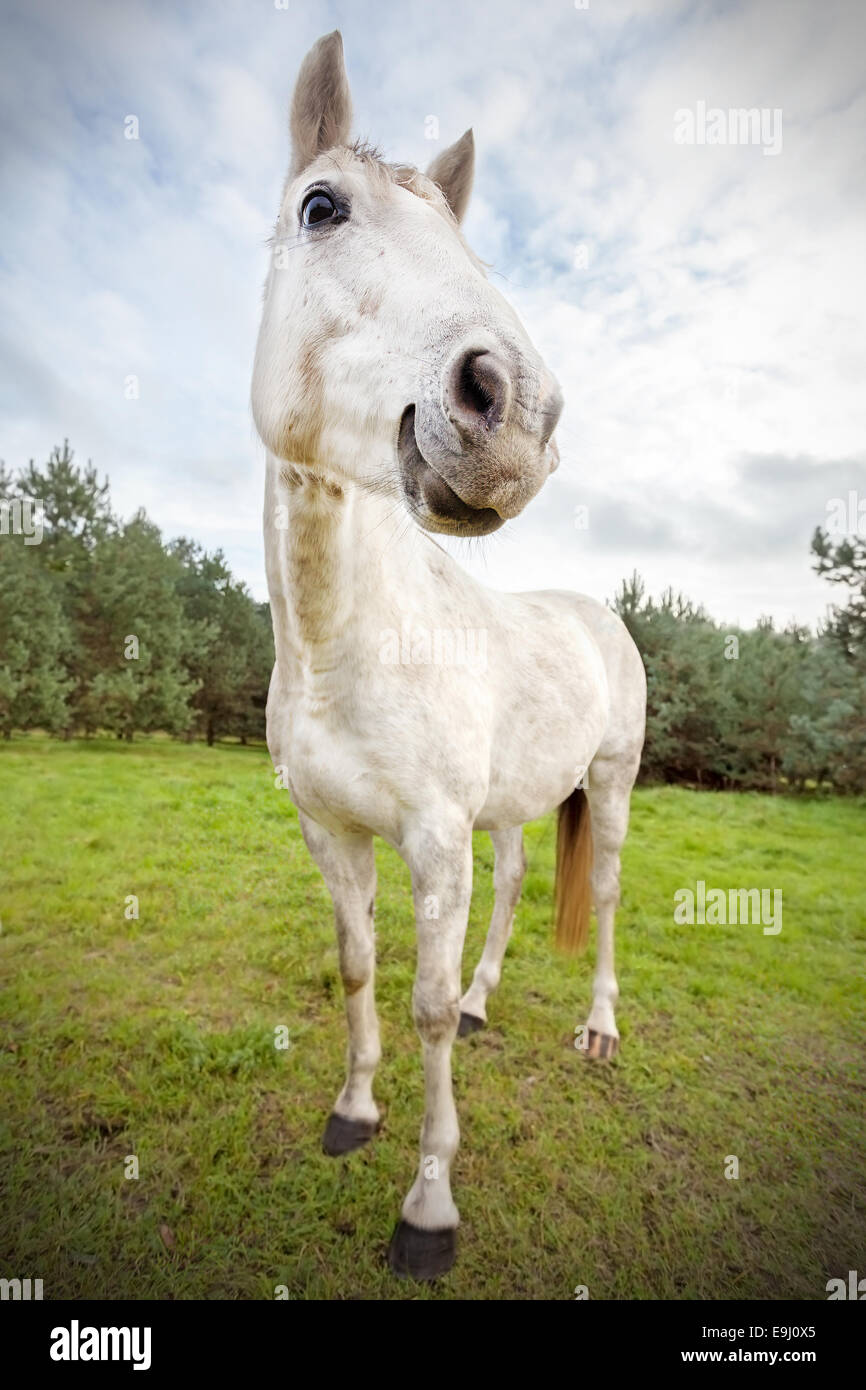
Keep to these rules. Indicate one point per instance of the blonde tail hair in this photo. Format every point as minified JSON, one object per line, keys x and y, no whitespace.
{"x":573,"y":890}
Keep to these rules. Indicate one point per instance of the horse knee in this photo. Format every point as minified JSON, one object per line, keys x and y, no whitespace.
{"x":436,"y":1008}
{"x":356,"y":964}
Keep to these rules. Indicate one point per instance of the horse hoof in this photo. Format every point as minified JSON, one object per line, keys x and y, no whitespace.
{"x":469,"y":1023}
{"x":601,"y":1045}
{"x":417,"y":1254}
{"x":343,"y":1135}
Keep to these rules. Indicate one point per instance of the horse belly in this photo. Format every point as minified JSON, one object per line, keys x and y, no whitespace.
{"x":543,"y":747}
{"x":520,"y":794}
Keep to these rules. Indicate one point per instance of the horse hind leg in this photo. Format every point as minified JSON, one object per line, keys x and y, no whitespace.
{"x":608,"y":792}
{"x":509,"y":868}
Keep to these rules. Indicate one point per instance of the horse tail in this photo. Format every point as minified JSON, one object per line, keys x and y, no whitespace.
{"x":573,"y":890}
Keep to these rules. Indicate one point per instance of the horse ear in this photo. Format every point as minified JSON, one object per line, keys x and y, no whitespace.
{"x":453,"y":170}
{"x":321,"y":114}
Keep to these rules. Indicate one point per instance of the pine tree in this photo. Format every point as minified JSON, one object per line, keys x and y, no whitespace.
{"x":131,"y":637}
{"x":844,"y":564}
{"x":229,"y":645}
{"x":35,"y":638}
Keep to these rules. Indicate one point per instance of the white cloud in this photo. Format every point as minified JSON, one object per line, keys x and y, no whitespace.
{"x":719,"y":318}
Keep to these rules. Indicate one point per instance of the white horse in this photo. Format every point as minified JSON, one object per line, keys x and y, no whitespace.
{"x":397,"y":394}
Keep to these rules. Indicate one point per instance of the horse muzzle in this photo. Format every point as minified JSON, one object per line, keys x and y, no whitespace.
{"x":474,"y":453}
{"x":431,"y":500}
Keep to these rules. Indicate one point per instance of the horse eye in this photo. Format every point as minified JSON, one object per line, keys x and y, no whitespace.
{"x":318,"y":207}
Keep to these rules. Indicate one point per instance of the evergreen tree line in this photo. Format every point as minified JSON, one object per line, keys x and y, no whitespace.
{"x":759,"y":709}
{"x":104,"y":627}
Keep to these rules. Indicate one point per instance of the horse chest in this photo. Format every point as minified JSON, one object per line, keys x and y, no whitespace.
{"x":367,"y":742}
{"x":324,"y":734}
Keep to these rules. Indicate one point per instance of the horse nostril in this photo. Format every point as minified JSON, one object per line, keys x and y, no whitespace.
{"x":480,"y":392}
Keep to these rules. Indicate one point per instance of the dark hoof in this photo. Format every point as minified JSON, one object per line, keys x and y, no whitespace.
{"x":469,"y":1023}
{"x":417,"y":1254}
{"x":343,"y":1135}
{"x":601,"y":1045}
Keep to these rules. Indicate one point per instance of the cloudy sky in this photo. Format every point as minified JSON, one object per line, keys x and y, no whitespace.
{"x":703,"y":305}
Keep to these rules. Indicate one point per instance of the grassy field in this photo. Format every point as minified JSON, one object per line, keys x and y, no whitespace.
{"x":155,"y":1038}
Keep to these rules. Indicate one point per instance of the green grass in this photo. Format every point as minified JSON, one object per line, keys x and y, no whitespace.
{"x":154,"y":1037}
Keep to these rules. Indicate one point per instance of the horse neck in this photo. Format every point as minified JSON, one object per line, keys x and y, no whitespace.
{"x":336,"y":556}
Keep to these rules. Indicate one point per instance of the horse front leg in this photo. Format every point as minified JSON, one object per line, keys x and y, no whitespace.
{"x":424,"y":1243}
{"x":348,"y":867}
